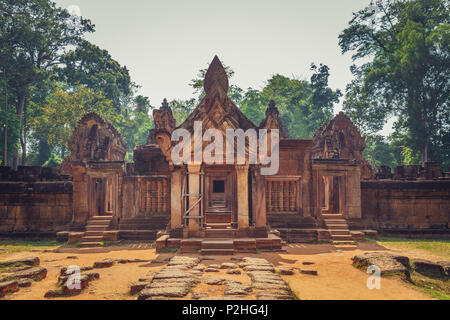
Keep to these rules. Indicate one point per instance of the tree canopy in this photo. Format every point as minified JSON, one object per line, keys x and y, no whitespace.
{"x":303,"y":105}
{"x":403,"y":47}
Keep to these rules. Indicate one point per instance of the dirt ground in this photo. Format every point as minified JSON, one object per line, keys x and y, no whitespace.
{"x":336,"y":279}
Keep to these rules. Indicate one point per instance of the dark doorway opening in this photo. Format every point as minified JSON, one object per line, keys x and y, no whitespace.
{"x":218,"y":186}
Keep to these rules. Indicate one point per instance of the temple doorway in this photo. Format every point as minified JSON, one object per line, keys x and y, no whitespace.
{"x":219,"y":204}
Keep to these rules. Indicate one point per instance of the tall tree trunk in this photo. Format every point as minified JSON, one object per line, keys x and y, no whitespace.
{"x":20,"y":108}
{"x":23,"y":137}
{"x":5,"y":146}
{"x":425,"y":153}
{"x":5,"y":131}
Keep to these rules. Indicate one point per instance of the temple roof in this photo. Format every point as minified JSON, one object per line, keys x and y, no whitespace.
{"x":217,"y":109}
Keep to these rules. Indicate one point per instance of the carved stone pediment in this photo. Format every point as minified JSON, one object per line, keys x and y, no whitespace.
{"x":339,"y":139}
{"x":215,"y":111}
{"x":95,"y":139}
{"x":216,"y":106}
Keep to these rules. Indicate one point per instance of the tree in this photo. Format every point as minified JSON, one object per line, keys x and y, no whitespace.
{"x":405,"y":49}
{"x":34,"y":35}
{"x":62,"y":111}
{"x":94,"y":68}
{"x":380,"y":152}
{"x":304,"y":106}
{"x":181,"y":109}
{"x":136,"y":123}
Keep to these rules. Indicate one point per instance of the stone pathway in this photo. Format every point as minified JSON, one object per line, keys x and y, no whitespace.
{"x":182,"y":274}
{"x":172,"y":281}
{"x":268,"y":284}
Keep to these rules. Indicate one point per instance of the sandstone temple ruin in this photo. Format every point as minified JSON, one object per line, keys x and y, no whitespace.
{"x":324,"y":189}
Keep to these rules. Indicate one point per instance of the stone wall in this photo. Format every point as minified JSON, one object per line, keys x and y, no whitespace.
{"x":405,"y":207}
{"x":35,"y":207}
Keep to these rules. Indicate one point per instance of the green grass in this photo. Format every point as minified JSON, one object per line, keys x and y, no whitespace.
{"x":18,"y":245}
{"x":437,"y":288}
{"x":437,"y":247}
{"x":125,"y":243}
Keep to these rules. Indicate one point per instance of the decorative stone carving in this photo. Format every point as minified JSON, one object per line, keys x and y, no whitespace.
{"x":163,"y":117}
{"x":95,"y":139}
{"x":273,"y":121}
{"x":339,"y":139}
{"x":216,"y":110}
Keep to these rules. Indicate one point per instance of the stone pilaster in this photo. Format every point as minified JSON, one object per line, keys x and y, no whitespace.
{"x":242,"y":195}
{"x":259,"y":200}
{"x":176,"y":214}
{"x":194,"y":191}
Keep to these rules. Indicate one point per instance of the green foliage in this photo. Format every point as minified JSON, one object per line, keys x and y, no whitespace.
{"x":379,"y":152}
{"x":181,"y":109}
{"x":53,"y":161}
{"x":405,"y":49}
{"x":34,"y":35}
{"x":304,"y":106}
{"x":62,"y":111}
{"x":94,"y":68}
{"x":136,"y":123}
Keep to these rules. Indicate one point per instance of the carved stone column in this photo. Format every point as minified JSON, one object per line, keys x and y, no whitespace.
{"x":176,"y":214}
{"x":242,"y":195}
{"x":194,"y":191}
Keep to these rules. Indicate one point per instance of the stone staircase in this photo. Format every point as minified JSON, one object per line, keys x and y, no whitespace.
{"x":217,"y":247}
{"x":96,"y":226}
{"x":338,"y":228}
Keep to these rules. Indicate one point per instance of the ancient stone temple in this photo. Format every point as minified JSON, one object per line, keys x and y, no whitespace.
{"x":322,"y":189}
{"x":220,"y":206}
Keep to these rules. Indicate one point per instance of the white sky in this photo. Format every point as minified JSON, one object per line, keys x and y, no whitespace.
{"x":165,"y":42}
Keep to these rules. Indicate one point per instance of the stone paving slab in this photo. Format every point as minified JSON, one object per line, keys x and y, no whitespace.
{"x":269,"y":285}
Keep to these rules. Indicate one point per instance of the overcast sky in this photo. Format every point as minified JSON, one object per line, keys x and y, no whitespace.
{"x":165,"y":42}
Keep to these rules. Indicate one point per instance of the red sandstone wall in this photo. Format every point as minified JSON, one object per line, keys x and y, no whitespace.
{"x":35,"y":207}
{"x":389,"y":205}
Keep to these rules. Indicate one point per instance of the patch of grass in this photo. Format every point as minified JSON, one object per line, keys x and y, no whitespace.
{"x":169,"y":250}
{"x":437,"y":247}
{"x":125,"y":243}
{"x":17,"y":245}
{"x":437,"y":288}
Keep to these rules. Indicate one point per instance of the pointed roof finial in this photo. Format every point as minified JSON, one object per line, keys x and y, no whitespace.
{"x":271,"y":104}
{"x":272,"y":109}
{"x":216,"y":76}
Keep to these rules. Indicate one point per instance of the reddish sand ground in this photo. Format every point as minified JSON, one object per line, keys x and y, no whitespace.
{"x":337,"y":278}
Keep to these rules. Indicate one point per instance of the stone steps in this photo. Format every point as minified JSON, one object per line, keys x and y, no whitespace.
{"x":109,"y":218}
{"x":218,"y":244}
{"x":220,"y":233}
{"x":218,"y":225}
{"x":95,"y":228}
{"x":91,"y":244}
{"x":93,"y":233}
{"x":339,"y":231}
{"x":217,"y":251}
{"x":90,"y":239}
{"x":338,"y":228}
